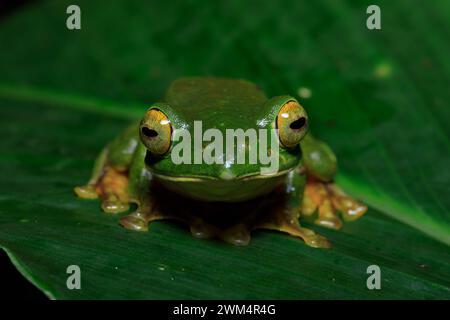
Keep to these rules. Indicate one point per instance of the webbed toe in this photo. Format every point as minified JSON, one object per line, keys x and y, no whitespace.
{"x":328,"y":199}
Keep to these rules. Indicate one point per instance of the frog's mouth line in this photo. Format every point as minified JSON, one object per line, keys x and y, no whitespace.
{"x":251,"y":176}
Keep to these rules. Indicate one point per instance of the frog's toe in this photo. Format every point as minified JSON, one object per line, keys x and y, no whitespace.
{"x":134,"y":222}
{"x":311,"y":238}
{"x":308,"y":206}
{"x":238,"y":235}
{"x":328,"y":199}
{"x":86,"y":192}
{"x":350,"y":208}
{"x":114,"y":206}
{"x":330,"y":223}
{"x":317,"y":241}
{"x":327,"y":216}
{"x":201,"y":229}
{"x":317,"y":196}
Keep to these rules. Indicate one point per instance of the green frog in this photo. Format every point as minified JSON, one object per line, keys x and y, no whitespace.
{"x":158,"y":165}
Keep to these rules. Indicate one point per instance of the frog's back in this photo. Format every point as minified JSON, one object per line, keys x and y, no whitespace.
{"x":218,"y":97}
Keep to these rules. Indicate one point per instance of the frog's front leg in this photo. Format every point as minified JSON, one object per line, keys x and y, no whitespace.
{"x":109,"y":183}
{"x":145,"y":213}
{"x":285,"y":215}
{"x":109,"y":179}
{"x":112,"y":189}
{"x":141,"y":192}
{"x":156,"y":203}
{"x":320,"y":192}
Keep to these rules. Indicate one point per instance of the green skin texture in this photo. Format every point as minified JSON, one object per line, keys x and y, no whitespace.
{"x":223,"y":104}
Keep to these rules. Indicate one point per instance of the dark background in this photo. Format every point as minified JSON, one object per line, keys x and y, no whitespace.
{"x":12,"y":282}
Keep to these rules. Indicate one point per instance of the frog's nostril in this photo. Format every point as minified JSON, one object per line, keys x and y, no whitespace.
{"x":298,"y":124}
{"x":149,"y":133}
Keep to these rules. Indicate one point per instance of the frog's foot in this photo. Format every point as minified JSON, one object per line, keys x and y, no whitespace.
{"x":200,"y":229}
{"x":145,"y":214}
{"x":239,"y":235}
{"x":328,"y":198}
{"x":139,"y":221}
{"x":286,"y":220}
{"x":112,"y":188}
{"x":86,"y":192}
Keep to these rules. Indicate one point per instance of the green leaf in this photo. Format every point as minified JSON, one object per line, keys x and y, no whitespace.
{"x":379,"y":98}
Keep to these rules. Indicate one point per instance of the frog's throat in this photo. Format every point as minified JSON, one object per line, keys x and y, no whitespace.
{"x":250,"y":176}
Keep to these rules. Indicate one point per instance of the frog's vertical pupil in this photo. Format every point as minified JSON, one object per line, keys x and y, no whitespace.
{"x":298,"y":124}
{"x":149,"y":133}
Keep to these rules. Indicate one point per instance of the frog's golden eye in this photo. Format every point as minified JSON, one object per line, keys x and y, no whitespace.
{"x":156,"y":131}
{"x":292,"y":124}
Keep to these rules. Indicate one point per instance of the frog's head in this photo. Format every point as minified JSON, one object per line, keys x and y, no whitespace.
{"x":176,"y":144}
